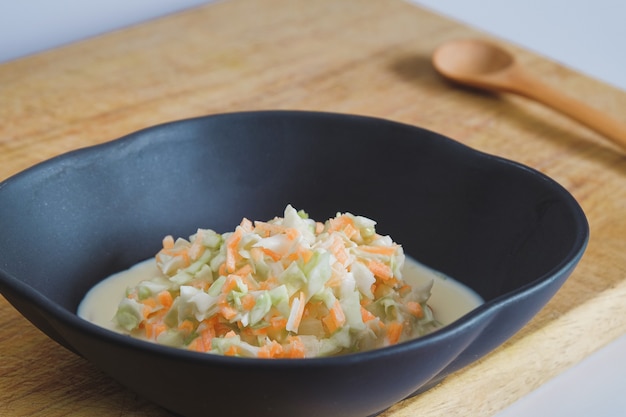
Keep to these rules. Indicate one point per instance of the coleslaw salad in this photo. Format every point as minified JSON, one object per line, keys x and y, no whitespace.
{"x":290,"y":287}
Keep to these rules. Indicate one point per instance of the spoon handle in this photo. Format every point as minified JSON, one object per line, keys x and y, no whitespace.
{"x":532,"y":88}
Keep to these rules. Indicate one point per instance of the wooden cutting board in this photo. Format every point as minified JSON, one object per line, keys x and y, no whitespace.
{"x":366,"y":57}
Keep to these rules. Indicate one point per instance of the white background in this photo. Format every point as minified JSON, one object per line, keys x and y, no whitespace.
{"x":586,"y":35}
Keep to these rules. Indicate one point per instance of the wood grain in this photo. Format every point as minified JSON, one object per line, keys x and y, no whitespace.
{"x":370,"y":58}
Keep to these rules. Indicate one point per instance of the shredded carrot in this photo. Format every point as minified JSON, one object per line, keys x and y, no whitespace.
{"x":186,"y":327}
{"x":168,"y":242}
{"x":269,"y":283}
{"x":256,"y":254}
{"x":366,"y":315}
{"x":250,"y":282}
{"x":230,"y":283}
{"x":231,"y":250}
{"x":149,"y":302}
{"x":232,"y":351}
{"x":196,"y":345}
{"x":292,"y":233}
{"x":394,"y":330}
{"x":243,"y":271}
{"x":255,"y":331}
{"x":195,"y":251}
{"x":222,"y":329}
{"x":248,"y":302}
{"x":380,"y":270}
{"x":301,"y":253}
{"x":305,"y":254}
{"x":415,"y":309}
{"x":246,"y":225}
{"x":197,"y":247}
{"x":267,"y":229}
{"x":339,"y":223}
{"x":405,"y":290}
{"x":380,"y":250}
{"x":274,"y":255}
{"x":311,"y":309}
{"x":272,"y":349}
{"x":278,"y":322}
{"x":335,"y":279}
{"x":335,"y":318}
{"x":338,"y":249}
{"x":207,"y":338}
{"x":350,"y":231}
{"x":153,"y":330}
{"x":222,"y":270}
{"x":165,"y":298}
{"x":228,"y":312}
{"x":200,"y":284}
{"x":204,"y":340}
{"x":295,"y":349}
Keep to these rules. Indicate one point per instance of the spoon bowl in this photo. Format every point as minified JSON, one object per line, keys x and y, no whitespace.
{"x":480,"y":64}
{"x":471,"y":59}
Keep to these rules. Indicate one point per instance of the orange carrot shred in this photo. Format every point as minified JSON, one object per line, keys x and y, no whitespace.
{"x":295,"y":348}
{"x":292,"y":233}
{"x":278,"y":323}
{"x":415,"y":308}
{"x":271,"y":349}
{"x":244,"y":270}
{"x":246,"y":225}
{"x":380,"y":250}
{"x":232,"y":351}
{"x":222,"y":269}
{"x":229,"y":284}
{"x":248,"y":302}
{"x":153,"y":330}
{"x":168,"y":242}
{"x":380,"y":270}
{"x":231,"y":250}
{"x":228,"y":312}
{"x":366,"y":315}
{"x":350,"y":231}
{"x":165,"y":298}
{"x":338,"y":249}
{"x":275,"y":256}
{"x":335,"y":318}
{"x":394,"y":331}
{"x":186,"y":327}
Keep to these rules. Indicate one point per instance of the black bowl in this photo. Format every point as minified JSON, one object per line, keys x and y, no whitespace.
{"x":508,"y":232}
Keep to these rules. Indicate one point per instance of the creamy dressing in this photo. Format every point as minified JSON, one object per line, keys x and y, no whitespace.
{"x":450,"y":299}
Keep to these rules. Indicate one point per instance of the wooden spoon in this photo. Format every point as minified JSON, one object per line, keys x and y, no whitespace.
{"x":480,"y":64}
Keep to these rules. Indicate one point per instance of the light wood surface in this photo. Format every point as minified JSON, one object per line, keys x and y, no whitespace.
{"x":365,"y":57}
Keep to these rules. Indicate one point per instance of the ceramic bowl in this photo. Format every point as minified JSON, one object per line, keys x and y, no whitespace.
{"x":503,"y":229}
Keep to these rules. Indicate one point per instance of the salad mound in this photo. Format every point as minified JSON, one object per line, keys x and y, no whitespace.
{"x":290,"y":287}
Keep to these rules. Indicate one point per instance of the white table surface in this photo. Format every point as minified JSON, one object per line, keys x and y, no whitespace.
{"x":551,"y":28}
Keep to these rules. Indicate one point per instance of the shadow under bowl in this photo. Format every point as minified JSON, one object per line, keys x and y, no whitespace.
{"x":505,"y":230}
